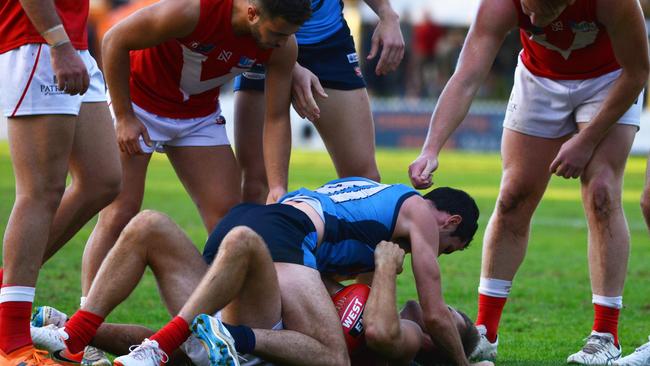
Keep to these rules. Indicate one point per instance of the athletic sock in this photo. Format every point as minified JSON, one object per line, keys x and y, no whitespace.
{"x":244,"y":337}
{"x":15,"y":313}
{"x":606,"y":320}
{"x":1,"y":275}
{"x":81,"y":328}
{"x":493,"y":294}
{"x":172,"y":335}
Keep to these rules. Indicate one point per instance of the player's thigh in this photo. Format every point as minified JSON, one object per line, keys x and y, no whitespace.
{"x":307,"y":307}
{"x":175,"y":261}
{"x":40,"y":148}
{"x":526,"y":162}
{"x":95,"y":156}
{"x":211,"y":176}
{"x":609,"y":158}
{"x":347,"y":128}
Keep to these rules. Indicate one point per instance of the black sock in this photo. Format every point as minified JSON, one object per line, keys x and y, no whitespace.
{"x":243,"y":336}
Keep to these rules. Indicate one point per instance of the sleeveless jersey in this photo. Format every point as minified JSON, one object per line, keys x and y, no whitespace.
{"x":17,"y":30}
{"x":326,"y":19}
{"x":574,"y":46}
{"x":180,"y":78}
{"x":358,"y":213}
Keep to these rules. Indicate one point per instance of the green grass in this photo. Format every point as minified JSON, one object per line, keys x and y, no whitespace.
{"x":549,"y":311}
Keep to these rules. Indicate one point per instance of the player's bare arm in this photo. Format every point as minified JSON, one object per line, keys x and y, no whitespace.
{"x":70,"y":71}
{"x":388,"y":35}
{"x":145,"y":28}
{"x":495,"y":18}
{"x":625,"y":25}
{"x":415,"y":223}
{"x":277,"y":123}
{"x":393,"y":339}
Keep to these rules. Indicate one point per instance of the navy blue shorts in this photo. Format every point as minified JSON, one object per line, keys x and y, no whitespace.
{"x":288,"y":232}
{"x":334,"y":61}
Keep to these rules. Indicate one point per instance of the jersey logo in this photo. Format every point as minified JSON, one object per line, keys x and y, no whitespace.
{"x":584,"y":34}
{"x":351,"y":190}
{"x":245,"y":62}
{"x":224,"y":56}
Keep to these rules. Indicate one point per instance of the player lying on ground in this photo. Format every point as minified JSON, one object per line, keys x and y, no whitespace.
{"x":384,"y":336}
{"x":333,"y":229}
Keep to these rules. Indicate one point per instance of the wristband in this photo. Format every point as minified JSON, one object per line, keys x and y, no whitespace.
{"x":56,"y":36}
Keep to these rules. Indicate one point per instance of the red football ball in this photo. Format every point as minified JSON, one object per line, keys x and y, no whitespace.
{"x":350,"y":302}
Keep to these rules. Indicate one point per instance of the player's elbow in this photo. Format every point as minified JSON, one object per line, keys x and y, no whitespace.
{"x":382,"y":337}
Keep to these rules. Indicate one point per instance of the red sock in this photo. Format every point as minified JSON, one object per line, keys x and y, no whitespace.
{"x":81,"y":329}
{"x":489,"y":314}
{"x":606,"y":320}
{"x":14,"y":332}
{"x":1,"y":275}
{"x":172,"y":335}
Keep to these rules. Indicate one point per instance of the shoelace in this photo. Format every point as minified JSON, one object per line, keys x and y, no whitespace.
{"x":147,"y":350}
{"x":595,"y":343}
{"x":39,"y":358}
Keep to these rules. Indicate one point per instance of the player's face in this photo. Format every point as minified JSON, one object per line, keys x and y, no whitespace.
{"x":272,"y":32}
{"x":543,"y":12}
{"x":449,"y":244}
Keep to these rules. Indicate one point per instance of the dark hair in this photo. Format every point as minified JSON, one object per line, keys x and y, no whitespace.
{"x":469,"y":337}
{"x":457,"y":202}
{"x":293,"y":11}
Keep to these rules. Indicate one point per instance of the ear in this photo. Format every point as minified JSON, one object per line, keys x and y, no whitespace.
{"x":452,"y":222}
{"x":252,"y":13}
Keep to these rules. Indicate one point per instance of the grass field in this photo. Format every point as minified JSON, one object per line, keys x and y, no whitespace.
{"x":549,"y":311}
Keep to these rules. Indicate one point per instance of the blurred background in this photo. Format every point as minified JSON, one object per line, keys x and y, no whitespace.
{"x":402,"y":102}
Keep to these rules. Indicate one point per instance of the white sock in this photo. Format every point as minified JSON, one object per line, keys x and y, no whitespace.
{"x":615,"y":302}
{"x":17,"y":294}
{"x":494,"y":287}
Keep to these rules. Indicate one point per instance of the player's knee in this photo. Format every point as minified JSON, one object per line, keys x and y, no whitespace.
{"x":242,"y":239}
{"x":147,"y":223}
{"x":255,"y":190}
{"x":48,"y":197}
{"x":645,"y":203}
{"x":511,"y":201}
{"x":602,"y":198}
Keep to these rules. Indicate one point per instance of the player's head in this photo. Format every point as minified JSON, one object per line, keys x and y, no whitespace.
{"x":272,"y":22}
{"x":543,"y":12}
{"x":430,"y":354}
{"x":461,"y":223}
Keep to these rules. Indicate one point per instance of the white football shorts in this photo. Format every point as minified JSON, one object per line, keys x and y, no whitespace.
{"x":28,"y":86}
{"x":209,"y":130}
{"x":552,"y":108}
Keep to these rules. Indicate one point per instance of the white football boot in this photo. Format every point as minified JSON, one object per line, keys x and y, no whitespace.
{"x":599,"y":350}
{"x":46,"y":315}
{"x":485,"y":350}
{"x":148,"y":353}
{"x":49,"y":338}
{"x":640,"y":357}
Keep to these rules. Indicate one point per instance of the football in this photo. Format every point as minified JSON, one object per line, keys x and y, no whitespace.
{"x":350,"y":302}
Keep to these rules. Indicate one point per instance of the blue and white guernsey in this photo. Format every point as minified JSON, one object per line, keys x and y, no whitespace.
{"x":358,"y":214}
{"x":326,"y":19}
